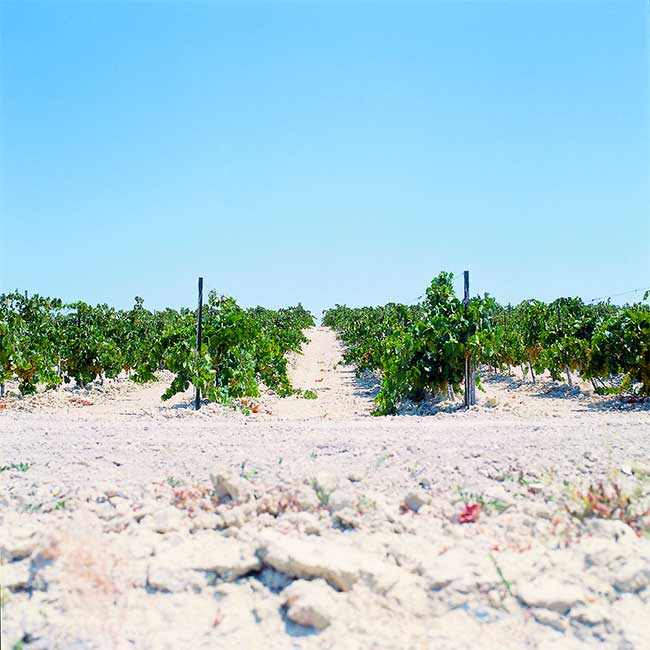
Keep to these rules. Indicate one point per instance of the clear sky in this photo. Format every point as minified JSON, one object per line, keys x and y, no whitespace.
{"x":323,"y":152}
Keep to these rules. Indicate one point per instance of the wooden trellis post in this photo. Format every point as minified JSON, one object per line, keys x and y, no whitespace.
{"x":199,"y":330}
{"x":470,"y":373}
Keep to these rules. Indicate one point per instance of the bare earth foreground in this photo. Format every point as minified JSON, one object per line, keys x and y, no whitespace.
{"x":131,"y":523}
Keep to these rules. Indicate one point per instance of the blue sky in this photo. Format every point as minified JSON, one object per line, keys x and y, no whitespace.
{"x":323,"y":152}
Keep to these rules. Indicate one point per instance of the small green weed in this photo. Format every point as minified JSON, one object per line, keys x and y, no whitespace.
{"x":19,"y":467}
{"x":382,"y":459}
{"x":494,"y":505}
{"x":309,"y":394}
{"x":364,"y":504}
{"x":247,"y":474}
{"x":322,"y":495}
{"x":610,"y":502}
{"x":506,"y":583}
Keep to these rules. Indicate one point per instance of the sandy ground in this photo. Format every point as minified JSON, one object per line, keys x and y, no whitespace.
{"x":131,"y":523}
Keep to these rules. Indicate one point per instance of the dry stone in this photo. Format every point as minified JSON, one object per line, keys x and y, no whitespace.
{"x":455,"y":566}
{"x":549,"y":617}
{"x":341,"y":565}
{"x":173,"y":579}
{"x":634,"y":576}
{"x":228,"y":484}
{"x":306,"y":559}
{"x":612,"y":529}
{"x":415,"y":499}
{"x":209,"y":552}
{"x":305,"y":522}
{"x":341,"y":499}
{"x":312,"y":603}
{"x":141,"y":542}
{"x":22,"y":535}
{"x":307,"y":499}
{"x":14,"y":575}
{"x":589,"y":613}
{"x":550,"y":594}
{"x":166,"y":520}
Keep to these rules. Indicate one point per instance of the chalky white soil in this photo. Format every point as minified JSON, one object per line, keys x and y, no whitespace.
{"x":311,"y":524}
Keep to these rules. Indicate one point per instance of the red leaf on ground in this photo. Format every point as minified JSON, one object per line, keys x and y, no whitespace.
{"x":3,"y":407}
{"x":470,"y":514}
{"x":80,"y":402}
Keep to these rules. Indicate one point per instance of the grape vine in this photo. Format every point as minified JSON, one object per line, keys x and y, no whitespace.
{"x":418,"y":350}
{"x":44,"y":343}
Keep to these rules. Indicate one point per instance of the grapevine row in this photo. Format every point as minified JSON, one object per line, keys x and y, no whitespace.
{"x":421,"y":349}
{"x":44,"y":343}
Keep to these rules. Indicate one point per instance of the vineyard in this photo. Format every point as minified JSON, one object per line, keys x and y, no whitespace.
{"x":420,"y":350}
{"x":268,"y":520}
{"x":45,"y":343}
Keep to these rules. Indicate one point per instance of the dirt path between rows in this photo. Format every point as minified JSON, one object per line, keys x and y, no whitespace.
{"x":319,"y":369}
{"x":131,"y":523}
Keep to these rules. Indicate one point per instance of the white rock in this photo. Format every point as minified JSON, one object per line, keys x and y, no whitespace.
{"x":550,"y":594}
{"x":342,"y":498}
{"x":105,"y":511}
{"x":550,"y":618}
{"x":601,"y":552}
{"x":231,"y":517}
{"x":14,"y":574}
{"x":206,"y":521}
{"x":455,"y":566}
{"x":633,"y":576}
{"x":311,"y":602}
{"x":167,"y":520}
{"x":146,"y":522}
{"x":412,"y":595}
{"x":348,"y":517}
{"x":21,"y":536}
{"x":170,"y":579}
{"x":228,"y":484}
{"x":611,"y":529}
{"x":415,"y":499}
{"x":342,"y":565}
{"x":589,"y":614}
{"x":631,"y":613}
{"x":304,"y":521}
{"x":307,"y":499}
{"x":413,"y":552}
{"x":141,"y":542}
{"x":210,"y":552}
{"x":122,"y":506}
{"x":303,"y":559}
